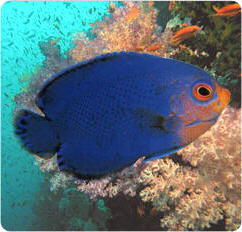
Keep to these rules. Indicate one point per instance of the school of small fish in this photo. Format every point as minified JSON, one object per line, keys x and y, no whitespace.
{"x":187,"y":31}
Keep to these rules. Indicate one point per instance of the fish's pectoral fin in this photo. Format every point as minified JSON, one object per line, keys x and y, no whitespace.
{"x":159,"y":123}
{"x":156,"y":121}
{"x":153,"y":120}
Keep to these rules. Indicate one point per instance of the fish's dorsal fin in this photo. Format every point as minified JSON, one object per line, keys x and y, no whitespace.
{"x":55,"y":93}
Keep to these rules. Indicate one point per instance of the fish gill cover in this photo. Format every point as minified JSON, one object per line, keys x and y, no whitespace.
{"x":195,"y":189}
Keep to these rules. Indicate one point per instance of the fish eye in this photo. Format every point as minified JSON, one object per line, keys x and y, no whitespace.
{"x":202,"y":92}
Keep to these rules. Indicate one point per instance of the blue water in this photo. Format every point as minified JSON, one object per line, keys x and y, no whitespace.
{"x":24,"y":24}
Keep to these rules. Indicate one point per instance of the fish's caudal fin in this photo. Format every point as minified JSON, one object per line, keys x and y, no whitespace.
{"x":36,"y":134}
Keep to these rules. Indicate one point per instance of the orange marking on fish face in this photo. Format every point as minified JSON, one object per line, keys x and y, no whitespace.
{"x":132,"y":15}
{"x":211,"y":110}
{"x":190,"y":133}
{"x":190,"y":111}
{"x":188,"y":115}
{"x":224,"y":98}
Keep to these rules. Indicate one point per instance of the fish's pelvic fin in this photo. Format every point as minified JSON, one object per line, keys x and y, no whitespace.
{"x":36,"y":134}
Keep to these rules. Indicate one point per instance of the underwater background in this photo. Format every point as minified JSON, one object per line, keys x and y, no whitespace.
{"x":198,"y":188}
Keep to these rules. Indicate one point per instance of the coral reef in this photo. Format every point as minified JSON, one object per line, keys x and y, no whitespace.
{"x":131,"y":28}
{"x":191,"y":190}
{"x":120,"y":182}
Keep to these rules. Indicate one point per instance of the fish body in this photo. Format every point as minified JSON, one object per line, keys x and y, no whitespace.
{"x":185,"y":33}
{"x":229,"y":10}
{"x":103,"y":114}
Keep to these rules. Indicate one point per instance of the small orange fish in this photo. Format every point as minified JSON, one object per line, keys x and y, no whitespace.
{"x":153,"y":48}
{"x":139,"y":48}
{"x":153,"y":211}
{"x":183,"y":47}
{"x":203,"y":53}
{"x":112,"y":8}
{"x":140,"y":211}
{"x":229,"y":10}
{"x":132,"y":15}
{"x":185,"y":33}
{"x":172,"y":5}
{"x":184,"y":25}
{"x":151,"y":3}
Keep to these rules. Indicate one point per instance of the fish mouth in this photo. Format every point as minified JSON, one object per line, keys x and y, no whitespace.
{"x":210,"y":121}
{"x":223,"y":98}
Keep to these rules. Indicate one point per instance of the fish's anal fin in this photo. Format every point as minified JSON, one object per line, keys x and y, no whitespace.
{"x":82,"y":160}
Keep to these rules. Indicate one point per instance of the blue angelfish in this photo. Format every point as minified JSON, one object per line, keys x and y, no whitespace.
{"x":103,"y":114}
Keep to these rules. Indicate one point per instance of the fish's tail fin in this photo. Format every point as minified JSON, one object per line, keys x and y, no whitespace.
{"x":36,"y":133}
